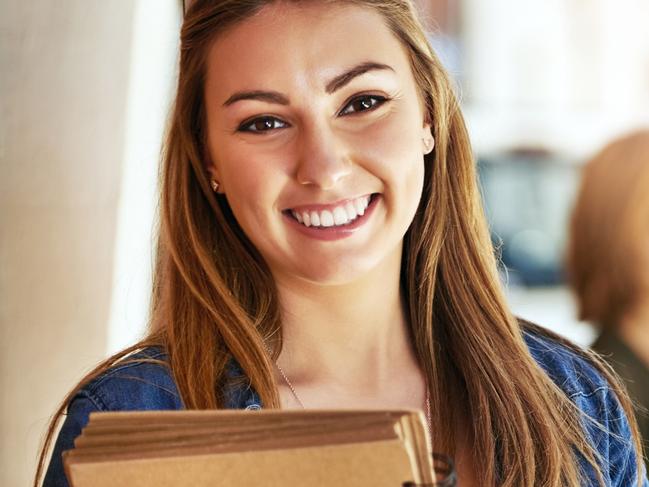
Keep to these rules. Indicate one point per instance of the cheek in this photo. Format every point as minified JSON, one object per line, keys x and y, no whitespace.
{"x":394,"y":146}
{"x":251,"y":183}
{"x":396,"y":137}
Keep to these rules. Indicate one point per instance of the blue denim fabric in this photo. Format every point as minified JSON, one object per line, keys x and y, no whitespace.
{"x":142,"y":385}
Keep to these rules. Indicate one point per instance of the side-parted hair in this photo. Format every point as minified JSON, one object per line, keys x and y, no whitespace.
{"x":214,"y":298}
{"x":608,"y":253}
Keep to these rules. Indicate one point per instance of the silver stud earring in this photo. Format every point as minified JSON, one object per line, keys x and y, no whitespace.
{"x":428,"y":144}
{"x":215,"y":185}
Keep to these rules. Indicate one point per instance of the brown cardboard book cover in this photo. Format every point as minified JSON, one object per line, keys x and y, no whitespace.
{"x":252,"y":448}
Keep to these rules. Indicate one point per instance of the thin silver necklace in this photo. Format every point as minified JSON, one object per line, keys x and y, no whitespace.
{"x":299,"y":401}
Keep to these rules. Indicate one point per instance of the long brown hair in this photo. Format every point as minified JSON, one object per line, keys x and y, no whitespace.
{"x":214,"y":298}
{"x":608,"y":255}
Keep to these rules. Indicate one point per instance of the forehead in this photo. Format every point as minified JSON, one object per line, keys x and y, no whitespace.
{"x":304,"y":42}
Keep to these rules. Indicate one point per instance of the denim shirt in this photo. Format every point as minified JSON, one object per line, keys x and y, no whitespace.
{"x":143,"y":385}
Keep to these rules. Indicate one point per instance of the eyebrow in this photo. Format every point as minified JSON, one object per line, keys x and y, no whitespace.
{"x":346,"y":77}
{"x":267,"y":96}
{"x":335,"y":84}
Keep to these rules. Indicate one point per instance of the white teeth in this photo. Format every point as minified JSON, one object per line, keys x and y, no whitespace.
{"x":351,"y":211}
{"x":340,"y":215}
{"x":361,"y":204}
{"x":326,"y":219}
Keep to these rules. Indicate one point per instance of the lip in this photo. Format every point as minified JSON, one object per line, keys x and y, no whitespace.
{"x":335,"y":232}
{"x":324,"y":206}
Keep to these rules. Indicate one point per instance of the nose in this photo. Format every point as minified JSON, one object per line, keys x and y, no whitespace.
{"x":323,"y":158}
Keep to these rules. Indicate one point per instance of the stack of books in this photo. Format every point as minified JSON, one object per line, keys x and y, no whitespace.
{"x":267,"y":448}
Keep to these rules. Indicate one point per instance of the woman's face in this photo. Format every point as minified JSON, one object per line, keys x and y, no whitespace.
{"x":316,"y":136}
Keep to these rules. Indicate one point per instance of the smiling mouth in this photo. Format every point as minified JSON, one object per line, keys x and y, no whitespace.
{"x":338,"y":216}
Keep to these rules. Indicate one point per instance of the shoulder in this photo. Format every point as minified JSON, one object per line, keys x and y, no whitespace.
{"x":582,"y":377}
{"x":580,"y":374}
{"x":572,"y":369}
{"x":139,"y":381}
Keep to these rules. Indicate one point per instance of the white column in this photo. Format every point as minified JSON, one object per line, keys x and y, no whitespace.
{"x":151,"y":83}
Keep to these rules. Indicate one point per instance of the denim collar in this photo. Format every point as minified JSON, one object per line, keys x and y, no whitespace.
{"x":239,"y":394}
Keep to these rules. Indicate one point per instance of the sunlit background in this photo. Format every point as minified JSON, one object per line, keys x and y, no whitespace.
{"x":86,"y":86}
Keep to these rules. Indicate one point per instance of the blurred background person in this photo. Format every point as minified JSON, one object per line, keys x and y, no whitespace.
{"x":608,"y":261}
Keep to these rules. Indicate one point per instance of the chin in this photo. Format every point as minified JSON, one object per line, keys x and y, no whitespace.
{"x":337,"y":273}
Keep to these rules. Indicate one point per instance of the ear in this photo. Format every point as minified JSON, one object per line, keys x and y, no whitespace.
{"x":427,"y":140}
{"x":212,"y":172}
{"x":213,"y":175}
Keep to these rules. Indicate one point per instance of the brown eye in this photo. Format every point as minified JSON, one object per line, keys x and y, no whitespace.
{"x":262,"y":124}
{"x":363,"y":104}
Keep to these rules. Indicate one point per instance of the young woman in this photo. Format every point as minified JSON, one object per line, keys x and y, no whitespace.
{"x":322,"y":245}
{"x":608,"y":260}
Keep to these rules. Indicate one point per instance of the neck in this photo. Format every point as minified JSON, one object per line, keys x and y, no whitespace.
{"x":352,"y":336}
{"x":634,"y":331}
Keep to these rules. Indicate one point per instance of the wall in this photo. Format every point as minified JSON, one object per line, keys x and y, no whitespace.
{"x":77,"y":151}
{"x":564,"y":76}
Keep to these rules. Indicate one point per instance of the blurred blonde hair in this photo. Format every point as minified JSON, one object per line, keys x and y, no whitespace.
{"x":608,"y":254}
